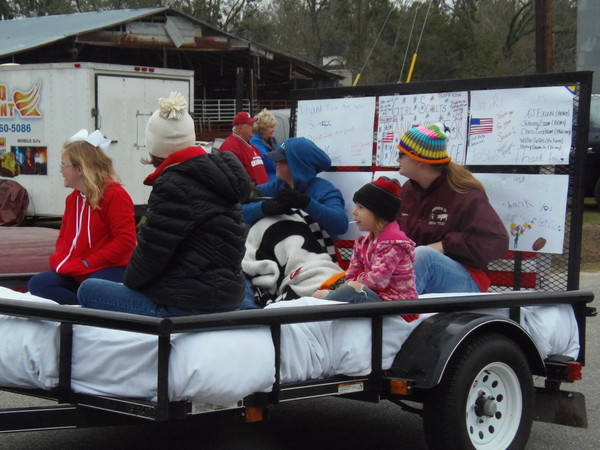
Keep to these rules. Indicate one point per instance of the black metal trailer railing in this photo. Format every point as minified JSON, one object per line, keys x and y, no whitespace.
{"x":73,"y":406}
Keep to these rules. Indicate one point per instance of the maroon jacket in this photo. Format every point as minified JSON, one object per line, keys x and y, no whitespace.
{"x":469,"y":228}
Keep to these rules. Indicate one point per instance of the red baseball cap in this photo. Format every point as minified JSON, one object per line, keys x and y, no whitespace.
{"x":242,"y":118}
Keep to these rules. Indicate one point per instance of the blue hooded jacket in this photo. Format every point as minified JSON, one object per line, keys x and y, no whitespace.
{"x":265,"y":146}
{"x":305,"y":161}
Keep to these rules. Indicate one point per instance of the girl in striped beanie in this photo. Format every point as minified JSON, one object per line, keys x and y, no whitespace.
{"x":425,"y":144}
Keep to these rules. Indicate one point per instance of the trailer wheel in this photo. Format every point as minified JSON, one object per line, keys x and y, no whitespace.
{"x":485,"y":399}
{"x":597,"y":192}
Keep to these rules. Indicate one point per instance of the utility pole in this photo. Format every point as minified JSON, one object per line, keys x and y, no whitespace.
{"x":544,"y":61}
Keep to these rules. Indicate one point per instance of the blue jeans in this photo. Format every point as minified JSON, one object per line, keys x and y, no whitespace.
{"x":63,"y":289}
{"x":109,"y":296}
{"x":346,"y":293}
{"x":438,"y":273}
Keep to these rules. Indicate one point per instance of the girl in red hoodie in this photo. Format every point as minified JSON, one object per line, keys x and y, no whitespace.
{"x":98,"y":233}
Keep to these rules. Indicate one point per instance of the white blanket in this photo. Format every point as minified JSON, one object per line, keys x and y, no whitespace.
{"x":222,"y":367}
{"x":321,"y":349}
{"x":217,"y":367}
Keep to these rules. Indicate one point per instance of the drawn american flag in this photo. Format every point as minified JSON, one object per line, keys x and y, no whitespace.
{"x":387,"y":137}
{"x":481,"y":126}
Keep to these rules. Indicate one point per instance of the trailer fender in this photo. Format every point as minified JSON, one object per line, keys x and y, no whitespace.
{"x":424,"y":356}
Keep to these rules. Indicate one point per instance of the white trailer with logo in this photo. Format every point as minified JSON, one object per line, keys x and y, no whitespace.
{"x":42,"y":105}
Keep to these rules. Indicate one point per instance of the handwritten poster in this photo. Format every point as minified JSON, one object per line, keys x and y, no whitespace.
{"x":532,"y":208}
{"x":526,"y":126}
{"x":398,"y":113}
{"x":342,"y":127}
{"x":348,"y":183}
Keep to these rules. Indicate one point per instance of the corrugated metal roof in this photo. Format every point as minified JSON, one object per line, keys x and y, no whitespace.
{"x":20,"y":37}
{"x":17,"y":35}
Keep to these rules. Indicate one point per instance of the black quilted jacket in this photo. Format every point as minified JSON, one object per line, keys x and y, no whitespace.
{"x":191,"y":246}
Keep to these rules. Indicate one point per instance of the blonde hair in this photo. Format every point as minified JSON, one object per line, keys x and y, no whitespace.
{"x":264,"y":119}
{"x":96,"y":168}
{"x":154,"y":160}
{"x":460,"y":178}
{"x":380,"y":224}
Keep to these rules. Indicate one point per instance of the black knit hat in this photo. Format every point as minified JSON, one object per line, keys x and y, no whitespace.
{"x":381,"y":197}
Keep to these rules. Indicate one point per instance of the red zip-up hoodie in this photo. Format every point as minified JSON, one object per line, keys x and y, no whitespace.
{"x":102,"y":237}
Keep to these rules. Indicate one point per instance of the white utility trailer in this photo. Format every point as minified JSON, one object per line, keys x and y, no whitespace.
{"x":42,"y":105}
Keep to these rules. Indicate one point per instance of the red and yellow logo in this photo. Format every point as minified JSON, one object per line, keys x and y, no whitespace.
{"x":25,"y":104}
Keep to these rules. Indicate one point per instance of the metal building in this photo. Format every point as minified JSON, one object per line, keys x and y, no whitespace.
{"x":231,"y":73}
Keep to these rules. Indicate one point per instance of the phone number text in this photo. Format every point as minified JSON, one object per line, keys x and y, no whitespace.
{"x":15,"y":128}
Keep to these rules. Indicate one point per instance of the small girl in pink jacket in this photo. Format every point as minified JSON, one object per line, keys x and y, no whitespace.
{"x":381,"y":265}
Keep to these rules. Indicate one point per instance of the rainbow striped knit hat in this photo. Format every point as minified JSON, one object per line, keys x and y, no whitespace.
{"x":425,"y":144}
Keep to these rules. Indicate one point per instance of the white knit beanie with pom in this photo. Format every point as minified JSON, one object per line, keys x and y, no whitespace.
{"x":170,"y":128}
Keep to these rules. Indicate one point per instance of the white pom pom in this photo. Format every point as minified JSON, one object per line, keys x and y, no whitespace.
{"x":172,"y":108}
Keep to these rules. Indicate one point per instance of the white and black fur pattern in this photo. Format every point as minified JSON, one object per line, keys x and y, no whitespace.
{"x":285,"y":260}
{"x":319,"y":233}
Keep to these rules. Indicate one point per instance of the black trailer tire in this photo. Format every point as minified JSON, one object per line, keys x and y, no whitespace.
{"x":597,"y":192}
{"x":485,"y":399}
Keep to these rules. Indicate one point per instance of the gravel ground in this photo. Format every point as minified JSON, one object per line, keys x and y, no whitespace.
{"x":590,"y":248}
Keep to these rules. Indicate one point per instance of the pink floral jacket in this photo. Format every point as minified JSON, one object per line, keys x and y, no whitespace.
{"x":384,"y":264}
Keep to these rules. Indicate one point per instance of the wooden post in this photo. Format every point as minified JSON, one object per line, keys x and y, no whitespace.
{"x":544,"y":61}
{"x":239,"y":90}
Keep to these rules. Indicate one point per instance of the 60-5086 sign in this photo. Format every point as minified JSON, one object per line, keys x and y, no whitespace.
{"x":15,"y":128}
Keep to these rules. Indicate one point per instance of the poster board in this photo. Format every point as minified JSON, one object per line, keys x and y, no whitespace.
{"x":532,"y":208}
{"x":348,"y":183}
{"x":531,"y":130}
{"x":342,"y":127}
{"x":525,"y":126}
{"x":399,"y":113}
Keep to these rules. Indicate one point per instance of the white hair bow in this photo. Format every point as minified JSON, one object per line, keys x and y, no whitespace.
{"x":96,"y":139}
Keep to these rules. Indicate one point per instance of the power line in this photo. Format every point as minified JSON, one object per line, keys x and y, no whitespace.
{"x":408,"y":43}
{"x":414,"y":58}
{"x":373,"y":47}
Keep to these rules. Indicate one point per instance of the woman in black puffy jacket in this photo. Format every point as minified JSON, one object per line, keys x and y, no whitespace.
{"x":190,"y":248}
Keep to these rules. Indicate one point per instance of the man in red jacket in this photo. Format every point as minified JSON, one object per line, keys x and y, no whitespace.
{"x":239,"y":144}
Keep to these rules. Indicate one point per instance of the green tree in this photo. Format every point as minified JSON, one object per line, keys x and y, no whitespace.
{"x":369,"y":37}
{"x":224,"y":14}
{"x":303,"y":28}
{"x":313,"y":29}
{"x":35,"y":8}
{"x":468,"y":38}
{"x":376,"y":38}
{"x":565,"y":35}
